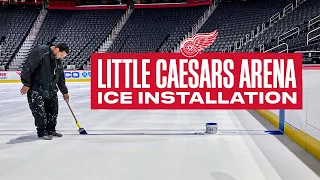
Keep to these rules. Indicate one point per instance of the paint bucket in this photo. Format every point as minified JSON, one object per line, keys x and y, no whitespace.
{"x":211,"y":128}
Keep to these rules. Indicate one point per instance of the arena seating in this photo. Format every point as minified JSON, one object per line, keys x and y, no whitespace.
{"x":160,"y":29}
{"x":156,"y":30}
{"x":297,"y":21}
{"x":15,"y":24}
{"x":236,"y":19}
{"x":84,"y":31}
{"x":94,"y":2}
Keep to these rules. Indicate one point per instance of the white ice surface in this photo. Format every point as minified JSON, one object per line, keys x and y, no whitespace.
{"x":141,"y":157}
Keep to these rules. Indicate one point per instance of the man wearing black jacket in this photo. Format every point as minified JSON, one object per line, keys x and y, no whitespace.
{"x":42,"y":72}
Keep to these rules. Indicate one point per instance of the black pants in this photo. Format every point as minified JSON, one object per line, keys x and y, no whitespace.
{"x":44,"y":111}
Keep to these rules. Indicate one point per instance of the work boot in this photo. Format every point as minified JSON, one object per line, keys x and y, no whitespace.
{"x":45,"y":137}
{"x":55,"y":134}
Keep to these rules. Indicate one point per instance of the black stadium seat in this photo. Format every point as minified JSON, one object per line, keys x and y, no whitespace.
{"x":159,"y":29}
{"x":83,"y":31}
{"x":15,"y":24}
{"x":299,"y":18}
{"x":156,"y":30}
{"x":236,"y":19}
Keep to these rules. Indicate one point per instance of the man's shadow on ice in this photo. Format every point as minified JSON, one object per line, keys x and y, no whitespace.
{"x":23,"y":139}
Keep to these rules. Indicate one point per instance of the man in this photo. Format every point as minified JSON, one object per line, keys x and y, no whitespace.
{"x":42,"y":72}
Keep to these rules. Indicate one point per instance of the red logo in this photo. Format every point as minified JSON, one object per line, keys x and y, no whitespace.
{"x":19,"y":73}
{"x":3,"y":74}
{"x":191,"y":47}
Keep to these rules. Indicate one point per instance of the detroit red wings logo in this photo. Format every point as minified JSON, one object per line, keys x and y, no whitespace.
{"x":191,"y":47}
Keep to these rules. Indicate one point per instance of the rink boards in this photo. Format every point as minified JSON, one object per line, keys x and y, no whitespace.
{"x":302,"y":126}
{"x":71,"y":76}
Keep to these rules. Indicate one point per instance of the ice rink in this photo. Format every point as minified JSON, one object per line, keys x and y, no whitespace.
{"x":116,"y":149}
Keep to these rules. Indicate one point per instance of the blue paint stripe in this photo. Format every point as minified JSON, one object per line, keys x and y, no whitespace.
{"x":194,"y":133}
{"x":274,"y":132}
{"x":281,"y":119}
{"x":230,"y":132}
{"x":140,"y":131}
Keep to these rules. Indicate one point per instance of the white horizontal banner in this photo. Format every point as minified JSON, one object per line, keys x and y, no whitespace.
{"x":15,"y":75}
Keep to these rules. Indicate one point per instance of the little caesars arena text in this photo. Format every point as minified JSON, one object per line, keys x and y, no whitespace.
{"x":205,"y":81}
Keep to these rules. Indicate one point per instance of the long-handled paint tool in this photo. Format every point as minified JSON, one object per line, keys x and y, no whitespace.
{"x":81,"y":130}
